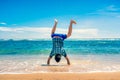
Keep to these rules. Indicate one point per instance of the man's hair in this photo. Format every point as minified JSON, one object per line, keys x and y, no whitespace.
{"x":57,"y":57}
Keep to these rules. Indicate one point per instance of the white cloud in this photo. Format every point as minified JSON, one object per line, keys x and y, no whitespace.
{"x":37,"y":33}
{"x":3,"y":23}
{"x":85,"y":33}
{"x":5,"y":29}
{"x":110,"y":10}
{"x":118,"y":16}
{"x":23,"y":29}
{"x":14,"y":24}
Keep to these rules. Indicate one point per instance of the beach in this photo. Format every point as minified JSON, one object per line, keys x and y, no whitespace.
{"x":90,"y":60}
{"x":59,"y":39}
{"x":63,"y":76}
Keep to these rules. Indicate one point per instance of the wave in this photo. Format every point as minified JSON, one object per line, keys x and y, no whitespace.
{"x":47,"y":39}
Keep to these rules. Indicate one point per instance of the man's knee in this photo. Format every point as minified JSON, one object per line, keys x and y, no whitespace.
{"x":68,"y":35}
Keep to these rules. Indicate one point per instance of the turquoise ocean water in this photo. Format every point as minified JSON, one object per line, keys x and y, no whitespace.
{"x":27,"y":56}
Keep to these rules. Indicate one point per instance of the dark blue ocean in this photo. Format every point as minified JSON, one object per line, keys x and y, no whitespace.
{"x":26,"y":56}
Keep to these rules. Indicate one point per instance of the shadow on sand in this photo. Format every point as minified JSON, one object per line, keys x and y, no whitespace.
{"x":51,"y":65}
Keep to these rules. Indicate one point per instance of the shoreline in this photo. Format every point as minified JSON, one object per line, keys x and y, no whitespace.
{"x":91,"y":72}
{"x":62,"y":76}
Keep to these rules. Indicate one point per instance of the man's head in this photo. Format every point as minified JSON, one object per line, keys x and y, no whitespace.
{"x":57,"y":57}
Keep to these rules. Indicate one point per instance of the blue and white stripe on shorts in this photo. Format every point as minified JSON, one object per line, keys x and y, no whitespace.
{"x":58,"y":47}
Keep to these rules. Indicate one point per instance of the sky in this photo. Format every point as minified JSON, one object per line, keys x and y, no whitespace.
{"x":34,"y":19}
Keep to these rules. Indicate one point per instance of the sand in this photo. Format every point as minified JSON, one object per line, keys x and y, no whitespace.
{"x":62,"y":76}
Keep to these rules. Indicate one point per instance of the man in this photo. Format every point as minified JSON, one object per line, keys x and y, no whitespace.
{"x":58,"y":39}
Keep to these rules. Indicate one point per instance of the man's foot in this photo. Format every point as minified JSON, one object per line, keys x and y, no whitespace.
{"x":74,"y":22}
{"x":56,"y":21}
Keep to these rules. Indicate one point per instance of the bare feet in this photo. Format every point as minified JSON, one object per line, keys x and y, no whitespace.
{"x":74,"y":22}
{"x":56,"y":21}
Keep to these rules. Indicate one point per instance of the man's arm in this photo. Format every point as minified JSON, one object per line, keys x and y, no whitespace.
{"x":68,"y":61}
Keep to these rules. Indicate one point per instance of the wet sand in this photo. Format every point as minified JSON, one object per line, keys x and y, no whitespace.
{"x":62,"y":76}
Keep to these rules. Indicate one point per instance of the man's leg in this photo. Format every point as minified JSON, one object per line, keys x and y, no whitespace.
{"x":68,"y":61}
{"x":70,"y":28}
{"x":54,"y":27}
